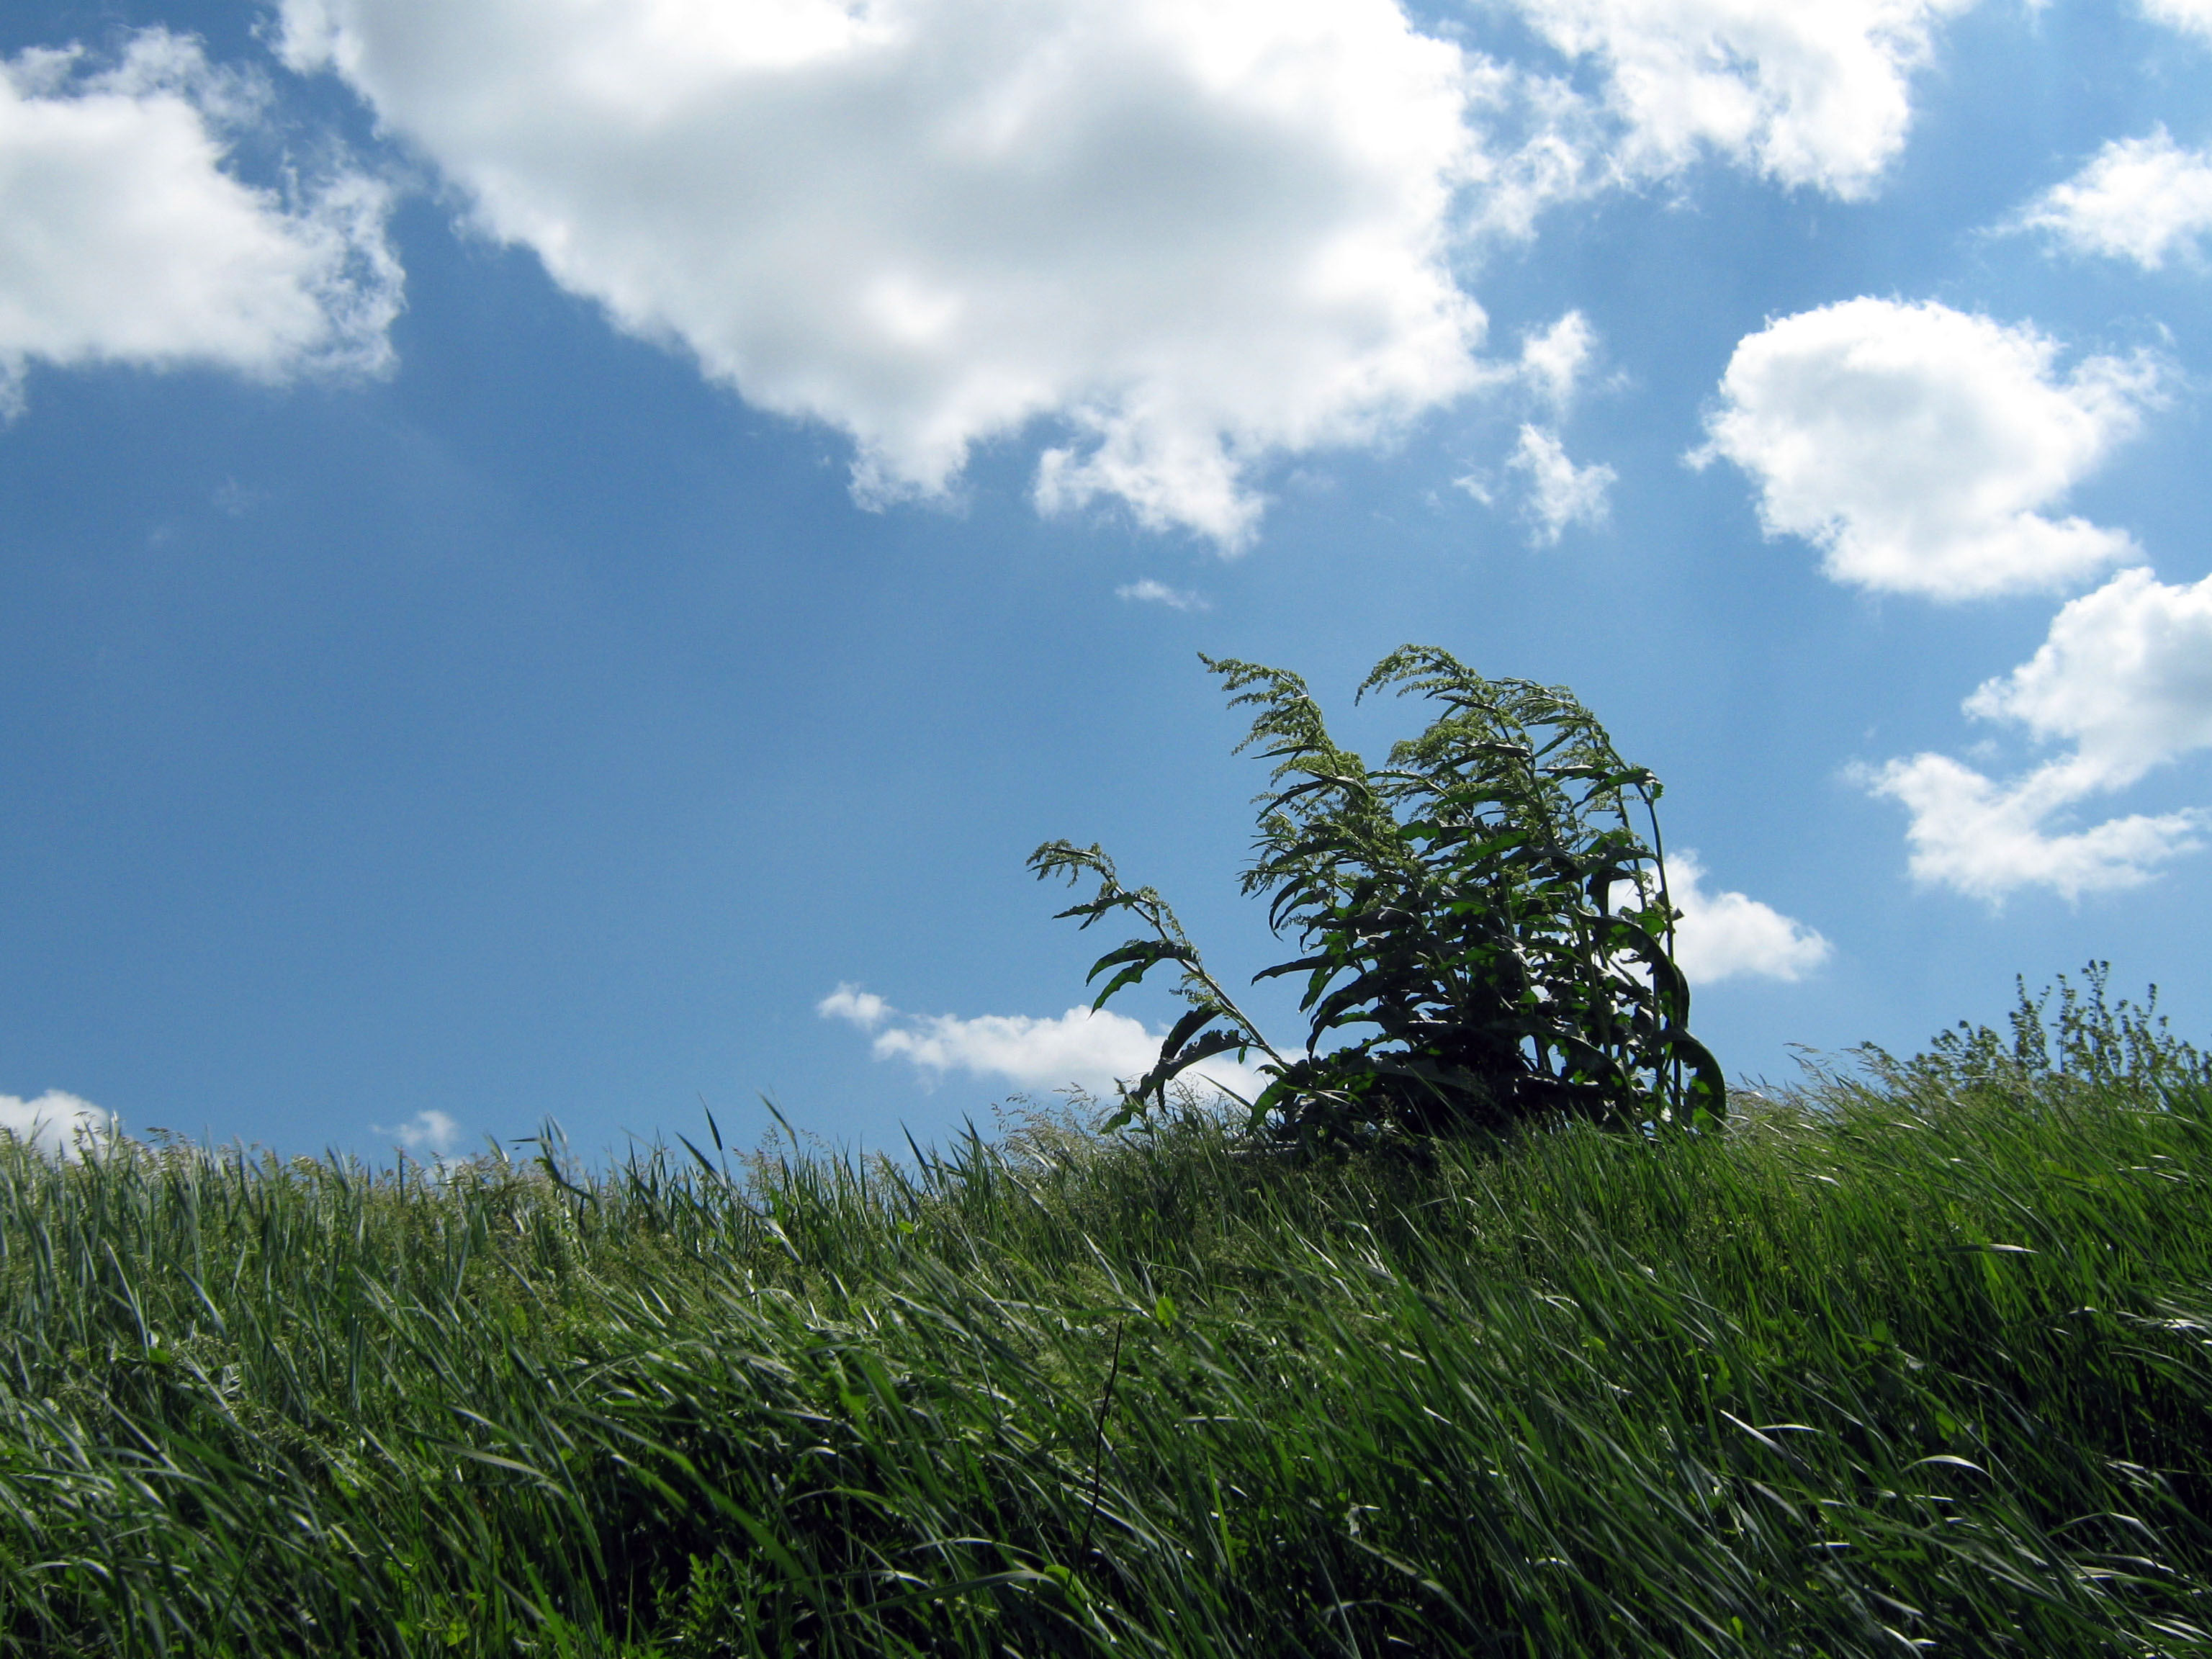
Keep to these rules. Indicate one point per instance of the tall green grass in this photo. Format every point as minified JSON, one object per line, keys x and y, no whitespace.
{"x":1904,"y":1364}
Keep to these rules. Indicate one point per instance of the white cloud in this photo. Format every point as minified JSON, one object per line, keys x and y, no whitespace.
{"x":1809,"y":95}
{"x":2125,"y":677}
{"x":1095,"y":1049}
{"x":1148,"y":592}
{"x":123,"y":239}
{"x":1091,"y":1050}
{"x":1193,"y":234}
{"x":2191,"y":17}
{"x":863,"y":1008}
{"x":55,"y":1123}
{"x":1553,"y":362}
{"x":1725,"y":935}
{"x":1987,"y":839}
{"x":433,"y":1132}
{"x":1545,"y":143}
{"x":2145,"y":199}
{"x":1920,"y":446}
{"x":1559,"y":492}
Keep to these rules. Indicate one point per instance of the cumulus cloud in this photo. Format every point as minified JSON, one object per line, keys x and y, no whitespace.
{"x":2145,"y":199}
{"x":1559,"y":492}
{"x":1554,"y":361}
{"x":1921,"y":448}
{"x":56,"y":1123}
{"x":2125,"y":677}
{"x":863,"y":1008}
{"x":1189,"y":234}
{"x":1727,"y":935}
{"x":1093,"y":1051}
{"x":1814,"y":96}
{"x":1987,"y":839}
{"x":125,"y":238}
{"x":1173,"y":239}
{"x":432,"y":1131}
{"x":2189,"y":16}
{"x":1148,"y":592}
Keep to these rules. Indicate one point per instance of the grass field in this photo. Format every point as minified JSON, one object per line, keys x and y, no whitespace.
{"x":1916,"y":1362}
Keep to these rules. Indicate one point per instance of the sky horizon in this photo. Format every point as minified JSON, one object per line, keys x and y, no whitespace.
{"x":558,"y":559}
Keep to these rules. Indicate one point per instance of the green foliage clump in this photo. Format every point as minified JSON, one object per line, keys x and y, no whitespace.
{"x":2088,"y":1042}
{"x":1483,"y":910}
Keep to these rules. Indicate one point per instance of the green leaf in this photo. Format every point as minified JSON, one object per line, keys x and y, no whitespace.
{"x":1196,"y":1020}
{"x":1141,"y":956}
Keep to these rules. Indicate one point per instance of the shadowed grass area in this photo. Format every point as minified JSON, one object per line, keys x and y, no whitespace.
{"x":1914,"y":1361}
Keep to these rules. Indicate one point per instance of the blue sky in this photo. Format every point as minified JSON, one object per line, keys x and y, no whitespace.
{"x":538,"y":542}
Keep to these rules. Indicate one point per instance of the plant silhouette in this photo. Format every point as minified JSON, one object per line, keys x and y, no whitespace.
{"x":1481,"y":918}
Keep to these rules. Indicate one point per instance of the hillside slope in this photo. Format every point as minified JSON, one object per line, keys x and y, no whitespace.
{"x":1916,"y":1362}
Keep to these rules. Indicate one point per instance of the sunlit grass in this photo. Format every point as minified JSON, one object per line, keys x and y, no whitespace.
{"x":1888,"y":1365}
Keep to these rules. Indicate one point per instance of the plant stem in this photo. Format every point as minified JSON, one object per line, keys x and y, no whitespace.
{"x":1098,"y":1450}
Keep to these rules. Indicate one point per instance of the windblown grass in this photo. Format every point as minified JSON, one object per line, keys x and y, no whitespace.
{"x":1890,"y":1365}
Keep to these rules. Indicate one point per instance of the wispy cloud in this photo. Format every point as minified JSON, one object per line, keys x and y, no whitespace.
{"x":430,"y":1132}
{"x":1559,"y":492}
{"x":1087,"y":1049}
{"x":2189,"y":16}
{"x":1148,"y":592}
{"x":1555,"y":361}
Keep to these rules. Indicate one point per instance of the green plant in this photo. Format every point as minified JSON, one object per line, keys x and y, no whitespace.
{"x":2089,"y":1041}
{"x":1482,"y":908}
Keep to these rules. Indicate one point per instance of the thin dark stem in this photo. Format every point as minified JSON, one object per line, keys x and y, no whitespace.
{"x":1098,"y":1451}
{"x":1166,"y":928}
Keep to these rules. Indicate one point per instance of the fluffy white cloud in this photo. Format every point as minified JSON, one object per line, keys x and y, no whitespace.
{"x":863,"y":1008}
{"x":1149,"y":591}
{"x":1725,"y":935}
{"x":1559,"y":492}
{"x":2191,"y":17}
{"x":2145,"y":199}
{"x":433,"y":1132}
{"x":1808,"y":94}
{"x":1554,"y":361}
{"x":56,"y":1123}
{"x":2125,"y":677}
{"x":1920,"y":446}
{"x":1192,"y":233}
{"x":124,"y":239}
{"x":1092,"y":1051}
{"x":1987,"y":839}
{"x":1096,"y":1049}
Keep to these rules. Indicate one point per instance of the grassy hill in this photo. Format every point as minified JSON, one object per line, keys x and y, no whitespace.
{"x":1917,"y":1360}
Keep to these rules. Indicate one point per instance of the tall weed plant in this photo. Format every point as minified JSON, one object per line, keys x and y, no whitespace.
{"x":1482,"y":918}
